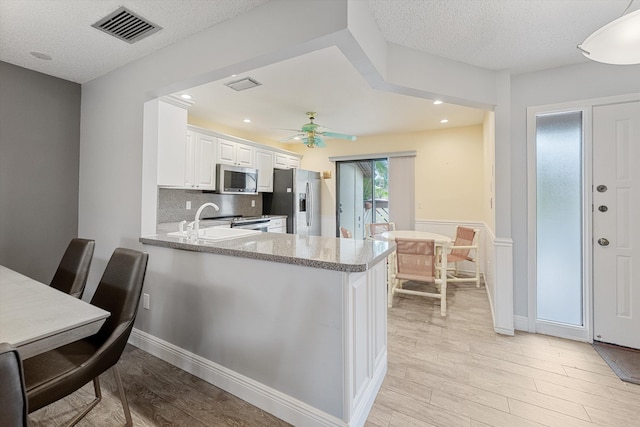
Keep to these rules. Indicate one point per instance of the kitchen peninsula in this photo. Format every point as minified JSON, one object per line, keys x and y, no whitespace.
{"x":294,"y":324}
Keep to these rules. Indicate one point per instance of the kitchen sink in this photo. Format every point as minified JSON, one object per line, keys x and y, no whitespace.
{"x":216,"y":234}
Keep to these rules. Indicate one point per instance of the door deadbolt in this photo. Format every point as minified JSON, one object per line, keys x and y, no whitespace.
{"x":603,"y":208}
{"x":601,"y":188}
{"x":603,"y":242}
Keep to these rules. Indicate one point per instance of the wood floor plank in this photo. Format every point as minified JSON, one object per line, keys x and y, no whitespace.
{"x":545,"y":416}
{"x":421,"y":411}
{"x":401,"y":420}
{"x":590,"y":400}
{"x":478,"y":412}
{"x":459,"y":389}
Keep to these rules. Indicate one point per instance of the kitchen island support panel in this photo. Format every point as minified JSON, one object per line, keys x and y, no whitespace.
{"x":316,"y":338}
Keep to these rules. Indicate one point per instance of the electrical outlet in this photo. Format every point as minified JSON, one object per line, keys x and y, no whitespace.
{"x":188,"y":205}
{"x":146,"y":301}
{"x":253,"y":203}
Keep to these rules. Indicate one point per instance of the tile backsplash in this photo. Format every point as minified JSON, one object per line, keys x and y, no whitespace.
{"x":172,"y":204}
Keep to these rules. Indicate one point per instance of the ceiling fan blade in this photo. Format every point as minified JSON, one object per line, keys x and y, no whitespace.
{"x":339,"y":135}
{"x":289,"y":138}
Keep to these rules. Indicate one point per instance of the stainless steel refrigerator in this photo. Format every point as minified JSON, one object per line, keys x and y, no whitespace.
{"x":296,"y":194}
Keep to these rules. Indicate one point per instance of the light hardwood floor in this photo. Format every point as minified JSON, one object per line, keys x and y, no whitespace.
{"x":452,"y":371}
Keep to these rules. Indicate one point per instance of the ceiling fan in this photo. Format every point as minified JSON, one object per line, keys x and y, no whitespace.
{"x":312,"y":137}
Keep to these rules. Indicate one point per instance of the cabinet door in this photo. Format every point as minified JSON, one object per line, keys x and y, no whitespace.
{"x":244,"y":155}
{"x":294,"y":162}
{"x":264,"y":164}
{"x":226,"y":152}
{"x":172,"y":125}
{"x":205,"y":162}
{"x":281,"y":161}
{"x":189,"y":178}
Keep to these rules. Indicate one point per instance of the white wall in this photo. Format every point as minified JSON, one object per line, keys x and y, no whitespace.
{"x":571,"y":83}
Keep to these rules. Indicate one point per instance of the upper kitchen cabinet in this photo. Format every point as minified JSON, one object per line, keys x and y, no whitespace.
{"x":171,"y":125}
{"x":264,"y":164}
{"x":235,"y":153}
{"x":285,"y":161}
{"x":200,"y":170}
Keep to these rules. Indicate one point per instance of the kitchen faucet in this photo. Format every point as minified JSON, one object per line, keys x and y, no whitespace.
{"x":195,"y":225}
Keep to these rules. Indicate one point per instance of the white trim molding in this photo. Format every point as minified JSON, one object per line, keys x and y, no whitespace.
{"x":373,"y":156}
{"x":504,"y":286}
{"x":277,"y":403}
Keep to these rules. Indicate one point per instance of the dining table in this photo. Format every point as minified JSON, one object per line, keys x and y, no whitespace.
{"x":35,"y":318}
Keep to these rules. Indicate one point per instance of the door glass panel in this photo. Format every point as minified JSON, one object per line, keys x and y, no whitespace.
{"x":363,"y":195}
{"x":559,"y":218}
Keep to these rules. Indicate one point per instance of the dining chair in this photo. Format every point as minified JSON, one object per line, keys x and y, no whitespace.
{"x":58,"y":373}
{"x":464,"y":248}
{"x":13,"y":399}
{"x":345,"y":233}
{"x":379,"y":228}
{"x":73,"y":270}
{"x":416,"y":261}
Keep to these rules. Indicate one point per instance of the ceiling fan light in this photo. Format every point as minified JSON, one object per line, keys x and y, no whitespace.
{"x":617,"y":43}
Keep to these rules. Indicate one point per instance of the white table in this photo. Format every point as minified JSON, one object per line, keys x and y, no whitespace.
{"x":36,"y":318}
{"x":439,"y":239}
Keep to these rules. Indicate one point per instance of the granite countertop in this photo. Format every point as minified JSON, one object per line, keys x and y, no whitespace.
{"x":330,"y":253}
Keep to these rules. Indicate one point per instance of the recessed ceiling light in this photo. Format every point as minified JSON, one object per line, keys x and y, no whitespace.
{"x":247,"y":120}
{"x":297,"y":138}
{"x":437,"y":102}
{"x":41,"y":56}
{"x":444,"y":121}
{"x":185,"y":96}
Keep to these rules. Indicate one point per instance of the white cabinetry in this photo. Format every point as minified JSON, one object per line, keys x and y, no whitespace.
{"x":235,"y":153}
{"x":172,"y":126}
{"x":200,"y":167}
{"x":264,"y":164}
{"x":278,"y":225}
{"x":285,"y":161}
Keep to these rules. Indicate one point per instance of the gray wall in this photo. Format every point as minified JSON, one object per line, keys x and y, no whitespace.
{"x":39,"y":163}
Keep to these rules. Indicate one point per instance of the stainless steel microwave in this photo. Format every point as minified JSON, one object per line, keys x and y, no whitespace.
{"x":236,"y":180}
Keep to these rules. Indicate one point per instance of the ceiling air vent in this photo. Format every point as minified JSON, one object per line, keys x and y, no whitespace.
{"x":243,"y":84}
{"x":126,"y":25}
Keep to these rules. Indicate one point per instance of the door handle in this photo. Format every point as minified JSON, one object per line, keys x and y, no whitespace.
{"x":603,"y":242}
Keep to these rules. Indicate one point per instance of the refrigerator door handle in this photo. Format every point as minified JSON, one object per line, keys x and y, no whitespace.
{"x":309,"y":203}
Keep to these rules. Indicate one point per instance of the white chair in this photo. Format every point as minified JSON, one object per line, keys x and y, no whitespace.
{"x":416,"y":261}
{"x":464,"y":248}
{"x":378,"y":228}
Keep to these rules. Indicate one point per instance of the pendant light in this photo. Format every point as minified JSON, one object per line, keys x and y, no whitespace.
{"x":618,"y":42}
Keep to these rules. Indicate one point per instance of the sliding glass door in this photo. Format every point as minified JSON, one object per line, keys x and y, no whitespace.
{"x":362,"y":194}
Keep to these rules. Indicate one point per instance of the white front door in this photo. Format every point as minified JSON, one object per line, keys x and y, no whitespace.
{"x":616,"y":224}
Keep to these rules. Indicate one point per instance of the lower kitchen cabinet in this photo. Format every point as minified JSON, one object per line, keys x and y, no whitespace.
{"x":278,"y":225}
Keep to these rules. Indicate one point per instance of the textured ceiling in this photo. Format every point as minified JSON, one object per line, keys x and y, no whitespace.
{"x":518,"y":35}
{"x":344,"y":101}
{"x":62,"y":29}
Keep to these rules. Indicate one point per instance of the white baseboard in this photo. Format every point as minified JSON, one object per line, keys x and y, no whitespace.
{"x":521,"y":323}
{"x":266,"y":398}
{"x":576,"y":333}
